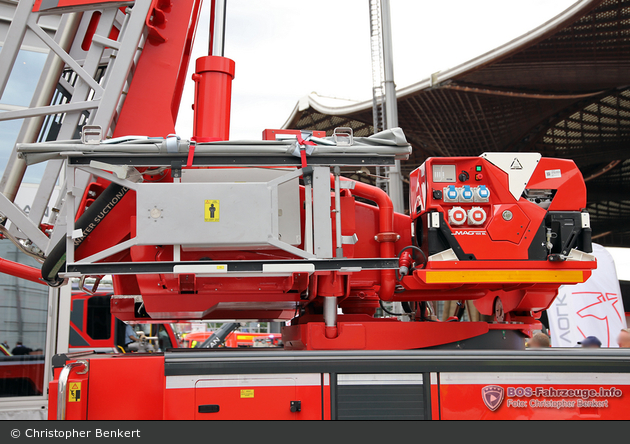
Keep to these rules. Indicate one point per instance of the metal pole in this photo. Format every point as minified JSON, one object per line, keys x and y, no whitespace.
{"x":391,"y":105}
{"x":330,"y":311}
{"x":46,"y":88}
{"x":218,"y":28}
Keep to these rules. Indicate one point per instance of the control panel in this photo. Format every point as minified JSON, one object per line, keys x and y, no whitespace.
{"x":497,"y":206}
{"x":459,"y":189}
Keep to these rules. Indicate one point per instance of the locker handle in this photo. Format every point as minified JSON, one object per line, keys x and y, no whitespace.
{"x":209,"y":408}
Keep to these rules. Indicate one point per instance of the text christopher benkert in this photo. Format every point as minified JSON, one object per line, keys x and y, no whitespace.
{"x":97,"y":433}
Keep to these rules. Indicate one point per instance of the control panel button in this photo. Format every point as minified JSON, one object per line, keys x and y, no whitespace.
{"x":463,"y":176}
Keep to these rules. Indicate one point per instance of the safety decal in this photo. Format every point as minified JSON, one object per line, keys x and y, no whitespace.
{"x":74,"y":394}
{"x":247,"y":393}
{"x":553,"y":174}
{"x":211,"y":211}
{"x":516,"y":165}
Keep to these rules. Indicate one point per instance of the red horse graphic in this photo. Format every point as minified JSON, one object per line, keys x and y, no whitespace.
{"x":601,"y":309}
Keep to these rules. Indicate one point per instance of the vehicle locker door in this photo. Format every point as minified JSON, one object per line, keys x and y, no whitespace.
{"x":245,"y":397}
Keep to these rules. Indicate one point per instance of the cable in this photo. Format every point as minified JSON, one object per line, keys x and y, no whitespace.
{"x":389,"y":312}
{"x":413,"y":247}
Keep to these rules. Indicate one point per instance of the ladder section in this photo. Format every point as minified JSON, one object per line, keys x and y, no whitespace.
{"x":89,"y":66}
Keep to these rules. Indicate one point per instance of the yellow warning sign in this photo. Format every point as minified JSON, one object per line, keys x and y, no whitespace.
{"x":74,"y":392}
{"x":211,"y":211}
{"x":249,"y":393}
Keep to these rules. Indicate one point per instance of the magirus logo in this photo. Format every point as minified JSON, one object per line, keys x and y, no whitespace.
{"x":468,"y":233}
{"x":492,"y":396}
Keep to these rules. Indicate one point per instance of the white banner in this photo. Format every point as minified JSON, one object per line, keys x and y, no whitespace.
{"x":594,"y":308}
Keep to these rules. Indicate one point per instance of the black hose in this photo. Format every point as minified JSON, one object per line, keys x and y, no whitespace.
{"x":407,"y":307}
{"x":95,"y":213}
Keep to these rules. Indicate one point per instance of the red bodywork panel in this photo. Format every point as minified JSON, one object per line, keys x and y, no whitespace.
{"x":567,"y":399}
{"x":140,"y":388}
{"x":159,"y":76}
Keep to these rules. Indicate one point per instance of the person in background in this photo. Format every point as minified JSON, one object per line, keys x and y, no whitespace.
{"x":130,"y":337}
{"x":590,"y":342}
{"x":5,"y":344}
{"x":20,"y":349}
{"x":623,"y":340}
{"x":539,"y":340}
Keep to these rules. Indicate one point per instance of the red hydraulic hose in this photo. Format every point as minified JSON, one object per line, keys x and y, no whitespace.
{"x":22,"y":271}
{"x":386,"y":227}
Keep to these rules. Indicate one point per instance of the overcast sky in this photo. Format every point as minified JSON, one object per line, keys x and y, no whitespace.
{"x":286,"y":49}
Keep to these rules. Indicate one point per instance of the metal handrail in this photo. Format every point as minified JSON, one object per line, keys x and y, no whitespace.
{"x":63,"y":383}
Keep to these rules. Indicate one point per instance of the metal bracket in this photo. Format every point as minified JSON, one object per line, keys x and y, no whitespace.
{"x":349,"y":240}
{"x":124,"y":172}
{"x":343,"y":136}
{"x":86,"y":365}
{"x":91,"y":135}
{"x":347,"y":184}
{"x":94,"y":286}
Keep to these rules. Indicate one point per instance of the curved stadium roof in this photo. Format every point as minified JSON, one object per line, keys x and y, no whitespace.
{"x":563,"y":90}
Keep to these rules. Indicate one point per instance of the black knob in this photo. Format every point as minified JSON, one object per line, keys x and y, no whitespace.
{"x":463,"y":176}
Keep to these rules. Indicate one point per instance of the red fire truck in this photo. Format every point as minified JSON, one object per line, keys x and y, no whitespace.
{"x":92,"y":328}
{"x":212,"y":229}
{"x":235,"y":339}
{"x":352,"y":385}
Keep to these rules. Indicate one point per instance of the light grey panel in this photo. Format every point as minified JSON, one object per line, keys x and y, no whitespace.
{"x":179,"y":213}
{"x":289,"y":228}
{"x":322,"y":222}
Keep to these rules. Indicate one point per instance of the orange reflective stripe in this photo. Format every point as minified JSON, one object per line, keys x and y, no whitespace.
{"x":480,"y":276}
